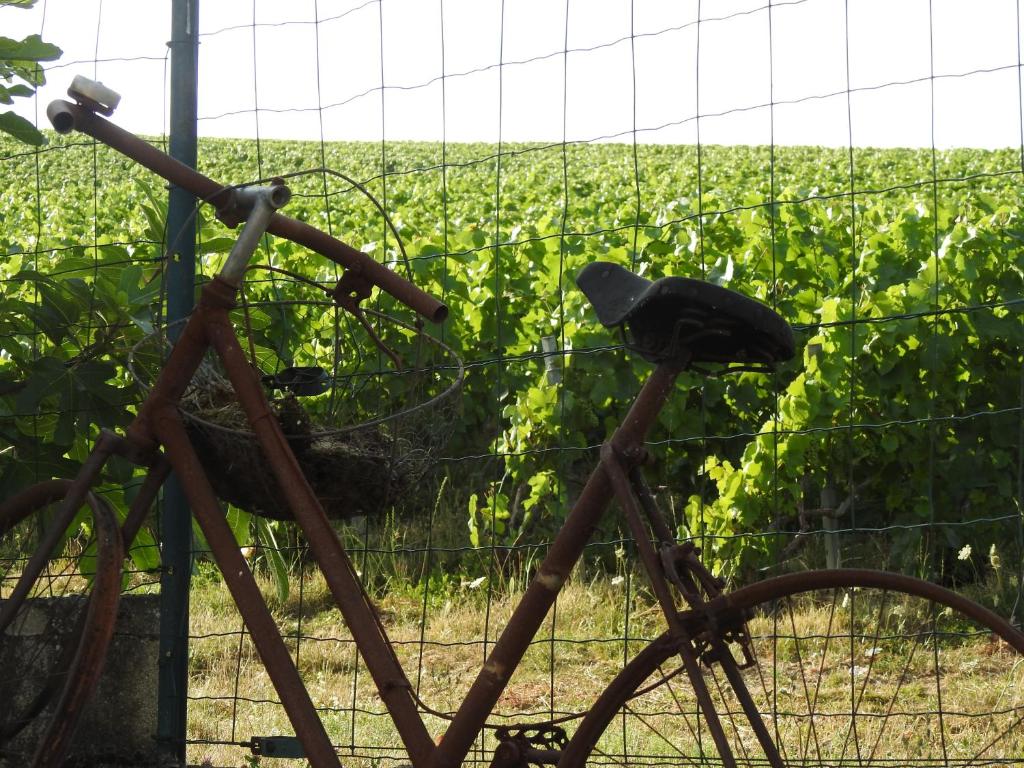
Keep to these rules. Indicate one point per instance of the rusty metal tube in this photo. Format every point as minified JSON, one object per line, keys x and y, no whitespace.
{"x":565,"y":550}
{"x":143,"y":502}
{"x":96,"y":628}
{"x":246,"y":593}
{"x":35,"y":496}
{"x":352,"y":600}
{"x":627,"y":499}
{"x":65,"y":117}
{"x":175,"y":376}
{"x":78,"y":491}
{"x":524,"y":622}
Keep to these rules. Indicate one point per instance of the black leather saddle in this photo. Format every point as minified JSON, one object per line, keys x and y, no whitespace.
{"x":686,"y":320}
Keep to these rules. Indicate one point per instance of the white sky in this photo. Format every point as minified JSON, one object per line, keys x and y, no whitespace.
{"x":305,"y":82}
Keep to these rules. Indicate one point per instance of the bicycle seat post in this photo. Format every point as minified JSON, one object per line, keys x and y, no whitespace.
{"x":629,"y":437}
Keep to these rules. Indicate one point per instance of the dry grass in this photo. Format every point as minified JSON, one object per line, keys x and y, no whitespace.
{"x":805,"y":681}
{"x":587,"y":652}
{"x":927,"y":689}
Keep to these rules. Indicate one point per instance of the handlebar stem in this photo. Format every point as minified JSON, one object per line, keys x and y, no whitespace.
{"x":262,"y":201}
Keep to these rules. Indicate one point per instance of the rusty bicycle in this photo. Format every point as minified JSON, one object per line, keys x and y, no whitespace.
{"x":820,"y":668}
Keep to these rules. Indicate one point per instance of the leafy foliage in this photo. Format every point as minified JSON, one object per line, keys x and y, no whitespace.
{"x":19,"y":61}
{"x":906,"y":297}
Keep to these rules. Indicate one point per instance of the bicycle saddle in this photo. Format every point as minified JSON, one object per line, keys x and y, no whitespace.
{"x":678,"y":318}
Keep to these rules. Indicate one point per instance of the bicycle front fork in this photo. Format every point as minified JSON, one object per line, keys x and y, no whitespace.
{"x":705,"y":630}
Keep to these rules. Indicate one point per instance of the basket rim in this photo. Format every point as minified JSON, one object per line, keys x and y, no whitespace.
{"x":449,"y":392}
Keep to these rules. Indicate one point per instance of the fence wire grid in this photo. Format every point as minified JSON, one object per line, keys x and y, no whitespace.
{"x":512,"y":143}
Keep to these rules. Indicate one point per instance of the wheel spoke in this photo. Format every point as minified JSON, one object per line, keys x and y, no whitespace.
{"x":773,"y":696}
{"x":938,"y":686}
{"x":661,"y":736}
{"x":1019,"y":722}
{"x":679,"y":706}
{"x":811,"y":730}
{"x":731,"y":714}
{"x":59,"y":627}
{"x":925,"y":658}
{"x":892,"y":701}
{"x":872,"y":654}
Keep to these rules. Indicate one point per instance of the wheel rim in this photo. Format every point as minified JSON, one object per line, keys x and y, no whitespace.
{"x":866,"y":669}
{"x":53,"y":648}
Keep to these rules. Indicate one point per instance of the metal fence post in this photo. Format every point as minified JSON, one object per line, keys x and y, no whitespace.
{"x":829,"y":502}
{"x":175,"y":520}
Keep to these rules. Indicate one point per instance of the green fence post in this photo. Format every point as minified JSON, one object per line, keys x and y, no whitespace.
{"x":175,"y":520}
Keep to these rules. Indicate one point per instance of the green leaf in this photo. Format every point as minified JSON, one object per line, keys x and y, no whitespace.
{"x":658,"y":248}
{"x":48,"y":376}
{"x":145,"y":553}
{"x":216,"y":245}
{"x":64,"y":434}
{"x":32,"y":48}
{"x":471,"y":521}
{"x":239,"y":523}
{"x":21,"y":129}
{"x":276,"y":562}
{"x":8,"y":93}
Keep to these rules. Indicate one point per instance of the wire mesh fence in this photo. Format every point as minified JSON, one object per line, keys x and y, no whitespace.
{"x":809,"y":153}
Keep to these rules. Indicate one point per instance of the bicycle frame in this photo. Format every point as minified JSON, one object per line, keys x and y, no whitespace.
{"x":159,"y":425}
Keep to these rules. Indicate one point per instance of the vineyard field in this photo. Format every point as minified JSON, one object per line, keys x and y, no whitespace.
{"x":901,"y":272}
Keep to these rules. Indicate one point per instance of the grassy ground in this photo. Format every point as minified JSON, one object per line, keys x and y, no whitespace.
{"x":924,"y":683}
{"x":556,"y":673}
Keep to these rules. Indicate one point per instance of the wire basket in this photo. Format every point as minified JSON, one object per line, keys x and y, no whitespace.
{"x":365,"y":405}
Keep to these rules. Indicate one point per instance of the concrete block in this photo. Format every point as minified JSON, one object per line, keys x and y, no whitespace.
{"x":118,"y":726}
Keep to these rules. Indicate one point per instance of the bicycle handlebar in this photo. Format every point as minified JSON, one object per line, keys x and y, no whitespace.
{"x":66,"y":116}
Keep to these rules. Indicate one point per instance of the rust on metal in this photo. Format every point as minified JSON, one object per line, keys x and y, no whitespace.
{"x":838,"y":578}
{"x":246,"y":593}
{"x":66,"y":116}
{"x":77,"y":493}
{"x":339,"y":573}
{"x":552,"y":581}
{"x":563,"y":554}
{"x":624,"y":494}
{"x":158,"y":422}
{"x":33,"y":497}
{"x":629,"y":437}
{"x":620,"y":456}
{"x":143,"y":501}
{"x":97,"y":631}
{"x":526,"y":619}
{"x":129,"y":451}
{"x":175,"y":375}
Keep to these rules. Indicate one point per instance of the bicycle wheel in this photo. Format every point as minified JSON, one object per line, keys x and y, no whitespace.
{"x":55,"y":636}
{"x":852,"y":667}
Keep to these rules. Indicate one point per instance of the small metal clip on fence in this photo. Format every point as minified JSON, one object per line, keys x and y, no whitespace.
{"x":276,"y":746}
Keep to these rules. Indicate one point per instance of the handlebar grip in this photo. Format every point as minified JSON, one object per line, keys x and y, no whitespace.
{"x":66,"y":117}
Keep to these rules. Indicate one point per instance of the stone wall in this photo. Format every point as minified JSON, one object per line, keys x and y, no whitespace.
{"x":119,"y":724}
